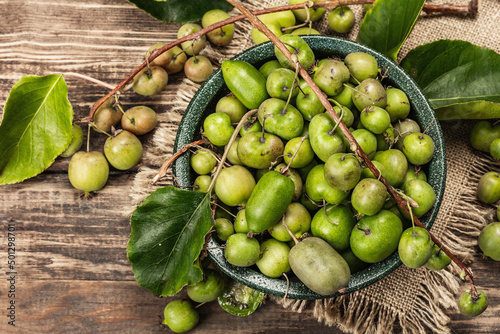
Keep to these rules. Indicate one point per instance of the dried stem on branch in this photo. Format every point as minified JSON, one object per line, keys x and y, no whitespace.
{"x":354,"y":145}
{"x":471,"y":9}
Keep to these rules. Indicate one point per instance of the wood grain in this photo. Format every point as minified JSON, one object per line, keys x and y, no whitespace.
{"x":74,"y":276}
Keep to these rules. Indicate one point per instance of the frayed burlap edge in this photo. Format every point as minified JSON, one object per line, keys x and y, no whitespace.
{"x":358,"y":312}
{"x":470,"y":215}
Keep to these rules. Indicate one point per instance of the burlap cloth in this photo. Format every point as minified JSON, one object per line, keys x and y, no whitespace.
{"x":411,"y":301}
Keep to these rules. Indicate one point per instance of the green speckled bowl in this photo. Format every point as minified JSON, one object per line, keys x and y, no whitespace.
{"x":203,"y":103}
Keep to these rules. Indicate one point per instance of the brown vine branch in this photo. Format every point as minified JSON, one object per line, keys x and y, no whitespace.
{"x":471,"y":9}
{"x":203,"y":31}
{"x":354,"y":145}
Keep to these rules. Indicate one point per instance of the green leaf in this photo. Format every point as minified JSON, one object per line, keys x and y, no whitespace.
{"x":457,"y":75}
{"x":36,"y":127}
{"x":168,"y":234}
{"x":386,"y":26}
{"x":469,"y":110}
{"x":180,"y":11}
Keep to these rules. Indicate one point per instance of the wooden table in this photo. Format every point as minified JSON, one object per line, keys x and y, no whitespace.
{"x":72,"y":272}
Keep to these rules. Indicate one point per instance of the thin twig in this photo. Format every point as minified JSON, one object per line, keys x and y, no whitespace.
{"x":288,"y":230}
{"x":471,"y":9}
{"x":287,"y":285}
{"x":163,"y":170}
{"x":85,"y":77}
{"x":285,"y":170}
{"x":157,"y":52}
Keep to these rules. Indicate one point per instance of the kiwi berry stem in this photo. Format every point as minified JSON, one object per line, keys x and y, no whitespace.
{"x":201,"y":304}
{"x":303,"y":24}
{"x":119,"y":106}
{"x":360,"y":92}
{"x":411,"y":216}
{"x":336,"y":103}
{"x":366,"y":231}
{"x":287,"y":286}
{"x":224,"y":209}
{"x":228,"y":147}
{"x":354,"y":78}
{"x":295,"y":82}
{"x":427,"y":128}
{"x":288,"y":230}
{"x":352,"y":141}
{"x":295,"y":26}
{"x":305,"y":94}
{"x":92,"y":124}
{"x":337,"y":122}
{"x":312,"y":201}
{"x":285,"y":170}
{"x":326,"y":214}
{"x":88,"y":138}
{"x":262,"y":139}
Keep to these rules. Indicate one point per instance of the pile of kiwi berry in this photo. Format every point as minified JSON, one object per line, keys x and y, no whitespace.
{"x":293,"y":175}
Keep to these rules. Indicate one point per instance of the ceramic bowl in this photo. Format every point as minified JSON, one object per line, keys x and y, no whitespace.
{"x":204,"y":102}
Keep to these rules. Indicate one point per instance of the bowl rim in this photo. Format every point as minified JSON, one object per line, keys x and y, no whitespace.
{"x":191,"y":121}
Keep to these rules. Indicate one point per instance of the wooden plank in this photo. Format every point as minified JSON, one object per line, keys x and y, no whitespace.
{"x":60,"y":306}
{"x":63,"y":236}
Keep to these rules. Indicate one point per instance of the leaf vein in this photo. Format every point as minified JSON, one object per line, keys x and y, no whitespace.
{"x":177,"y":240}
{"x":29,"y":125}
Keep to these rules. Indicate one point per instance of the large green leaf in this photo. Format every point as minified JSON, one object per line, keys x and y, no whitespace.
{"x":386,"y":26}
{"x":168,"y":234}
{"x":457,"y":75}
{"x":180,"y":11}
{"x":469,"y":110}
{"x":36,"y":127}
